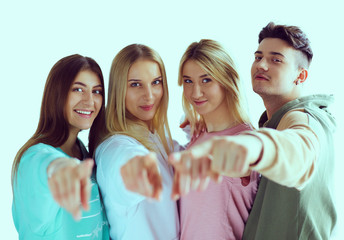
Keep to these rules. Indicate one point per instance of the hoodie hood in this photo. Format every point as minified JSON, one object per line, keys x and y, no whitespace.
{"x":316,"y":105}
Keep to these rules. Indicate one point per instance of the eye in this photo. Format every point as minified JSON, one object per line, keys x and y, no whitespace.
{"x":97,"y":91}
{"x":206,"y":80}
{"x":187,"y":81}
{"x":77,"y":90}
{"x":257,"y":58}
{"x":276,"y":60}
{"x":135,"y":84}
{"x":156,"y":82}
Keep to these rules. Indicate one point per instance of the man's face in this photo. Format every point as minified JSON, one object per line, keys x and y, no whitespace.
{"x":274,"y":71}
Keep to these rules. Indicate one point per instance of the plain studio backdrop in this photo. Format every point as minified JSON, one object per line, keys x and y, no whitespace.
{"x":34,"y":35}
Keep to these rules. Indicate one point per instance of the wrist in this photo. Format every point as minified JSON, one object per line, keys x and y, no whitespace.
{"x":260,"y":149}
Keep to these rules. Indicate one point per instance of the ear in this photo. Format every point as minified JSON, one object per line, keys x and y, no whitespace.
{"x":302,"y":75}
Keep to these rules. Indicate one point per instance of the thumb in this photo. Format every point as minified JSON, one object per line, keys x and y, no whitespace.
{"x":151,"y":157}
{"x":202,"y":150}
{"x":175,"y":195}
{"x":215,"y":176}
{"x":174,"y":158}
{"x":84,"y":170}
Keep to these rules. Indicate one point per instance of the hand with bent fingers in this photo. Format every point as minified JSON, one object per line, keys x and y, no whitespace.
{"x":141,"y":175}
{"x":197,"y":130}
{"x":233,"y":155}
{"x":70,"y":184}
{"x":191,"y":173}
{"x":229,"y":156}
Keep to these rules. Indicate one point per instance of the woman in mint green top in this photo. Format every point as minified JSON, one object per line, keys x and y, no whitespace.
{"x":55,"y":193}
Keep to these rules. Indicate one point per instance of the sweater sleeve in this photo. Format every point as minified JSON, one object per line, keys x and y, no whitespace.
{"x":290,"y":151}
{"x":33,"y":201}
{"x":110,"y":157}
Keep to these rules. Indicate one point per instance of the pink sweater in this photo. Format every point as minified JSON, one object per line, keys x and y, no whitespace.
{"x":221,"y":211}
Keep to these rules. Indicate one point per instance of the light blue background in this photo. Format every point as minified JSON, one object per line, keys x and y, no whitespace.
{"x":35,"y":34}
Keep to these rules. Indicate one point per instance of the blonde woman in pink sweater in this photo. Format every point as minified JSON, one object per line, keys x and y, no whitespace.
{"x":213,"y":102}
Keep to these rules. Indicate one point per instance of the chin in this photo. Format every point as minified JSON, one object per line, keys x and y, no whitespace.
{"x":85,"y":127}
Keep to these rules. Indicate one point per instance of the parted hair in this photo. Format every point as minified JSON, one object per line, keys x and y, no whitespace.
{"x":53,"y":127}
{"x":213,"y":58}
{"x":293,"y":35}
{"x":118,"y":119}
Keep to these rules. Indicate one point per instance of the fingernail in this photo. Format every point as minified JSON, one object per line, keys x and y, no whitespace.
{"x":176,"y":157}
{"x":176,"y":197}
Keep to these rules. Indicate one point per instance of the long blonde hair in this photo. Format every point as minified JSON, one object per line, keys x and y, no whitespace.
{"x":120,"y":121}
{"x":212,"y":57}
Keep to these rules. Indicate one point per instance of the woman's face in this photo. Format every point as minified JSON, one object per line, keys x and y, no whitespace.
{"x":204,"y":93}
{"x":84,"y":100}
{"x":144,"y":90}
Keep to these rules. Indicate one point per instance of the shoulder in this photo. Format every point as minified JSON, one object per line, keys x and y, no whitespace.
{"x":241,"y":128}
{"x":119,"y":145}
{"x":33,"y":166}
{"x":294,"y":118}
{"x":42,"y":150}
{"x":41,"y":147}
{"x":118,"y":141}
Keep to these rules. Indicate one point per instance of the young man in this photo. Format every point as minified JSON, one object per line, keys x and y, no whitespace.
{"x":293,"y":149}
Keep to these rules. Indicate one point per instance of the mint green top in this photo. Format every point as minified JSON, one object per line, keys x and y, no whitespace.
{"x":281,"y":212}
{"x":35,"y":213}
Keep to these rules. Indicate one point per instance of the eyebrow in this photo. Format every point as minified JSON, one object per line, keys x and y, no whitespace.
{"x":139,"y":80}
{"x":84,"y":85}
{"x":272,"y":53}
{"x":204,"y":75}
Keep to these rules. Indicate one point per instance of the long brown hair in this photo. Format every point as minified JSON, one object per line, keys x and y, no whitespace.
{"x":53,"y":128}
{"x":120,"y":121}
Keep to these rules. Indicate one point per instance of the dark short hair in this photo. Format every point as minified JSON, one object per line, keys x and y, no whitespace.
{"x":292,"y":35}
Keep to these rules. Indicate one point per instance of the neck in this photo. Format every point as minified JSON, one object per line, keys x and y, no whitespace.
{"x":70,"y":147}
{"x":149,"y":125}
{"x":274,"y":103}
{"x":219,"y":120}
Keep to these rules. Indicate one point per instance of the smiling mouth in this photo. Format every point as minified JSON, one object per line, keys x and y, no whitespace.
{"x":147,"y":107}
{"x":84,"y":113}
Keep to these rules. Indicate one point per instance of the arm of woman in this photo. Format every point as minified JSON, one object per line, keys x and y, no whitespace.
{"x":113,"y":154}
{"x":34,"y":204}
{"x":70,"y":184}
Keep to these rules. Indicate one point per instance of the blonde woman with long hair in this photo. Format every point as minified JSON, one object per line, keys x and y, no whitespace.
{"x":213,"y":101}
{"x":132,"y":165}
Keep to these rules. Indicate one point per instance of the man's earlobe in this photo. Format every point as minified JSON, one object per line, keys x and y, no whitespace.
{"x":303,"y":75}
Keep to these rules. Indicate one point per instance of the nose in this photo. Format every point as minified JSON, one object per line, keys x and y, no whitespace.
{"x":88,"y":98}
{"x":262,"y":65}
{"x":197,"y":91}
{"x":148,"y":93}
